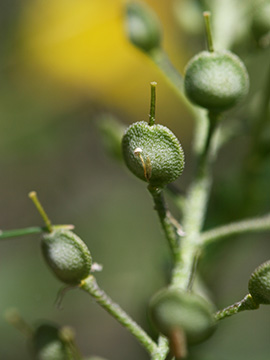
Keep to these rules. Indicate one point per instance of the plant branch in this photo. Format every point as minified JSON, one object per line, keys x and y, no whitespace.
{"x":237,"y":228}
{"x":91,"y":287}
{"x":245,"y":304}
{"x":163,"y":349}
{"x":194,"y":212}
{"x":31,"y":230}
{"x":171,"y":227}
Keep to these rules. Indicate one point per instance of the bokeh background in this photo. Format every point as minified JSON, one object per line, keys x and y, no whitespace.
{"x":65,"y":66}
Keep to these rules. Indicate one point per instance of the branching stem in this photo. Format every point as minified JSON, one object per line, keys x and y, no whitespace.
{"x":194,"y":211}
{"x":237,"y":228}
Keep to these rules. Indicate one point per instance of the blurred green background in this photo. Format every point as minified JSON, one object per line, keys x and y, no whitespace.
{"x":63,"y":65}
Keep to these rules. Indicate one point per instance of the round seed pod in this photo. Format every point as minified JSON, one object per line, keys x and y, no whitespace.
{"x":48,"y":345}
{"x":261,"y":20}
{"x":259,"y":284}
{"x":143,"y":27}
{"x":153,"y":153}
{"x":172,"y":309}
{"x":67,"y":256}
{"x":216,"y":80}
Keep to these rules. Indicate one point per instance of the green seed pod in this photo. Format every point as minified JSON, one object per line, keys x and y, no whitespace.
{"x":259,"y":284}
{"x":172,"y":309}
{"x":153,"y":153}
{"x":261,"y":20}
{"x":143,"y":27}
{"x":216,"y":80}
{"x":67,"y":256}
{"x":48,"y":345}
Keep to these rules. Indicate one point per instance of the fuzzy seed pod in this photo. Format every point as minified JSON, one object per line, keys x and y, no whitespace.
{"x":216,"y":80}
{"x":259,"y":284}
{"x":172,"y":309}
{"x":261,"y":20}
{"x":47,"y":344}
{"x":67,"y":256}
{"x":143,"y":27}
{"x":153,"y":153}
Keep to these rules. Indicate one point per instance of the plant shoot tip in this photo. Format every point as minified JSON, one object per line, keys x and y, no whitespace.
{"x":206,"y":13}
{"x":32,"y":194}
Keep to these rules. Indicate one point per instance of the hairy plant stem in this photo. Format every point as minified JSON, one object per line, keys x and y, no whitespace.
{"x":5,"y":234}
{"x":194,"y":213}
{"x":91,"y":287}
{"x":237,"y":228}
{"x":168,"y":223}
{"x":245,"y":304}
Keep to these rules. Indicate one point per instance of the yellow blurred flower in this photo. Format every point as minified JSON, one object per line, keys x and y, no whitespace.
{"x":83,"y":43}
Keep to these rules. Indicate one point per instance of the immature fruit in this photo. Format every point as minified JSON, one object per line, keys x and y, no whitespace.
{"x":261,"y":20}
{"x":216,"y":80}
{"x":259,"y":284}
{"x":174,"y":309}
{"x":153,"y":153}
{"x":48,"y":344}
{"x":143,"y":27}
{"x":67,"y":255}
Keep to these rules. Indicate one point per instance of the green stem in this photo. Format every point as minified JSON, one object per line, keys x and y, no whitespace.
{"x":152,"y":114}
{"x":68,"y":337}
{"x":31,"y":230}
{"x":168,"y":223}
{"x":163,"y":349}
{"x":175,"y":80}
{"x":194,"y":213}
{"x":237,"y":228}
{"x":245,"y":304}
{"x":193,"y":218}
{"x":15,"y":319}
{"x":204,"y":157}
{"x":33,"y":196}
{"x":91,"y":287}
{"x":210,"y":46}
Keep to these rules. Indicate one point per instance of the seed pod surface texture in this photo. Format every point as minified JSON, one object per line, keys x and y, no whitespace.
{"x":153,"y":153}
{"x":259,"y":284}
{"x":173,"y":309}
{"x":216,"y":80}
{"x":67,"y":256}
{"x":48,"y":345}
